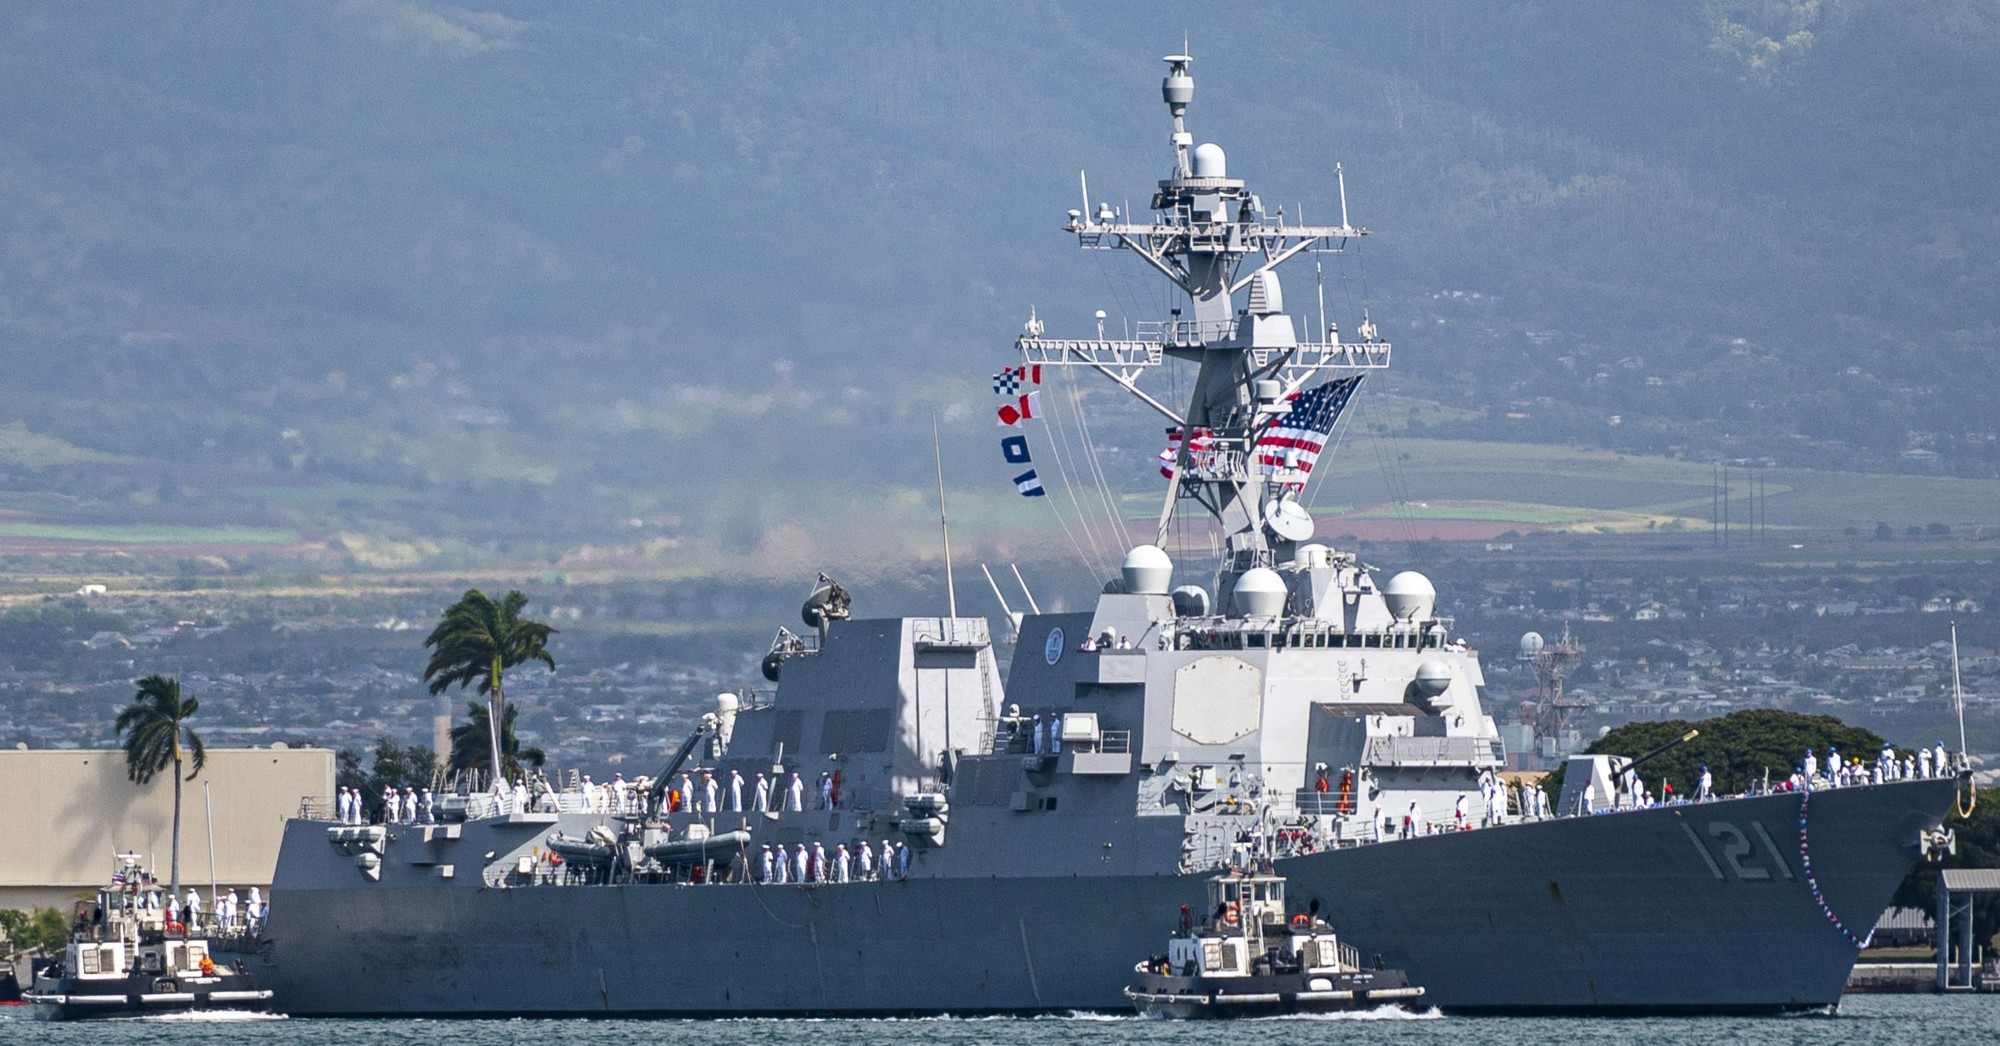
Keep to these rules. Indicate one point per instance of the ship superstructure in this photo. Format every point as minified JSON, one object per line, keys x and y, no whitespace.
{"x":894,"y":830}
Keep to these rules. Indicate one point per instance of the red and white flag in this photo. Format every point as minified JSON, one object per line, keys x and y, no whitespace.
{"x":1023,"y":408}
{"x":1201,"y":450}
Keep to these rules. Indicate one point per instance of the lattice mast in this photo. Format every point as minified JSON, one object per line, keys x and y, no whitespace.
{"x":1206,"y":231}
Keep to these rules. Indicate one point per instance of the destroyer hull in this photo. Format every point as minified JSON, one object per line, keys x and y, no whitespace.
{"x":1710,"y":908}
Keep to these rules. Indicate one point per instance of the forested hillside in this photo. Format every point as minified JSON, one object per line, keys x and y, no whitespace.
{"x":418,"y":277}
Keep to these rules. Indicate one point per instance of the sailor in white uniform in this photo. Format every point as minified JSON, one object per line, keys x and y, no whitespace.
{"x":825,"y":790}
{"x":1458,"y":812}
{"x":1705,"y":791}
{"x":193,"y":908}
{"x":841,"y":864}
{"x":1035,"y":734}
{"x":866,"y":858}
{"x":520,"y":796}
{"x":888,"y":861}
{"x":767,"y":865}
{"x":1940,"y":760}
{"x":708,"y":793}
{"x":763,"y":795}
{"x":795,"y":793}
{"x":801,"y":865}
{"x":1055,"y":733}
{"x":735,"y":792}
{"x":1812,"y":765}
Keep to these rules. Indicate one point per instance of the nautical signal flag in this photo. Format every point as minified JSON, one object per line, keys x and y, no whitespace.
{"x":1015,"y":450}
{"x":1029,"y":484}
{"x":1010,"y":379}
{"x":1023,"y":408}
{"x":1294,"y":440}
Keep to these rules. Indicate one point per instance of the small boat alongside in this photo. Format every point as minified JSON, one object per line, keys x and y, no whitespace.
{"x":128,"y":957}
{"x":1252,"y":958}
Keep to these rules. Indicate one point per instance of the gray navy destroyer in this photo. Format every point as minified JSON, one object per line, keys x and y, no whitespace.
{"x":1025,"y":840}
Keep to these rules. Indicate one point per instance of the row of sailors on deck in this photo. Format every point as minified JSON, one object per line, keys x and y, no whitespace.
{"x":1841,"y":772}
{"x":230,"y":913}
{"x":842,"y":866}
{"x":399,"y":806}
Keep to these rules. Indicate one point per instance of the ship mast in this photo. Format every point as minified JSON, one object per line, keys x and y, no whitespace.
{"x":1212,"y":238}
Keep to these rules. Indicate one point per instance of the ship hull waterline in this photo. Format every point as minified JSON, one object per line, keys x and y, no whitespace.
{"x":1706,"y":908}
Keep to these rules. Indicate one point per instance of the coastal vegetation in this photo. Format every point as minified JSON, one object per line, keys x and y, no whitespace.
{"x":157,"y":738}
{"x":475,"y":642}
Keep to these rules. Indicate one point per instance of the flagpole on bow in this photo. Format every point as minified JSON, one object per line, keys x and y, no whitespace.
{"x":937,"y":452}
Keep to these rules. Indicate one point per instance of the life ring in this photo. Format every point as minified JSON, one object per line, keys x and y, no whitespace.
{"x":1231,"y":914}
{"x":1301,"y":920}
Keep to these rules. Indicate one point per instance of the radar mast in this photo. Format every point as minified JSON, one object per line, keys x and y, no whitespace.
{"x":1213,"y":239}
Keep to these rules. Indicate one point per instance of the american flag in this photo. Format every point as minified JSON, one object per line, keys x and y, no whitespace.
{"x":1201,"y":451}
{"x":1294,"y":440}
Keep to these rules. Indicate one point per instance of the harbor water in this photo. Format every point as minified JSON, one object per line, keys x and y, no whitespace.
{"x":1862,"y":1021}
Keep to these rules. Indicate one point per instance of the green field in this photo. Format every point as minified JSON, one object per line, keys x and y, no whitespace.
{"x":147,"y":534}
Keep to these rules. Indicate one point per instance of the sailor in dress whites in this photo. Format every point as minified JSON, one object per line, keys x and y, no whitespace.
{"x":841,"y":865}
{"x":193,"y":908}
{"x":801,"y":865}
{"x":1938,"y":757}
{"x":783,"y":864}
{"x":763,"y":795}
{"x":795,"y":793}
{"x":1706,"y":789}
{"x":888,"y":861}
{"x":865,"y":858}
{"x":1036,"y":734}
{"x":520,"y":796}
{"x":766,"y":880}
{"x":825,"y":791}
{"x":735,"y":792}
{"x":687,"y":789}
{"x":708,"y":792}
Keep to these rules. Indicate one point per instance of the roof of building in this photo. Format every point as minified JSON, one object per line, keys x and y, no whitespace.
{"x":1971,"y":880}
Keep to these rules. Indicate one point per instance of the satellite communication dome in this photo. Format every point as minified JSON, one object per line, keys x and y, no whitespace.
{"x":1190,"y":601}
{"x":1531,"y":644}
{"x":1147,"y":570}
{"x":1210,"y":161}
{"x":1260,"y":592}
{"x":1410,"y":596}
{"x":1433,"y":677}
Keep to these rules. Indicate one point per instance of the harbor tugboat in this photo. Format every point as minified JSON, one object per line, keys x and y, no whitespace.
{"x":128,"y":957}
{"x":1250,"y":959}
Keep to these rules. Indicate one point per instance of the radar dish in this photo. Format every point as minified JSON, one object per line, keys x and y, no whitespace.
{"x":1289,"y":519}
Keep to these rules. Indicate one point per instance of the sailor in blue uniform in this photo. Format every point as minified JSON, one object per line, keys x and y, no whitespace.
{"x":902,"y":861}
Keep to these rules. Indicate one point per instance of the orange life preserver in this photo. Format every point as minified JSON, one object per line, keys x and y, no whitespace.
{"x":1301,"y":920}
{"x":1345,"y":803}
{"x":1231,"y":914}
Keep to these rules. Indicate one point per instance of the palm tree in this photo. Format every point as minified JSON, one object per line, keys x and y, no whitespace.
{"x":476,"y":641}
{"x":157,"y":737}
{"x":468,"y":741}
